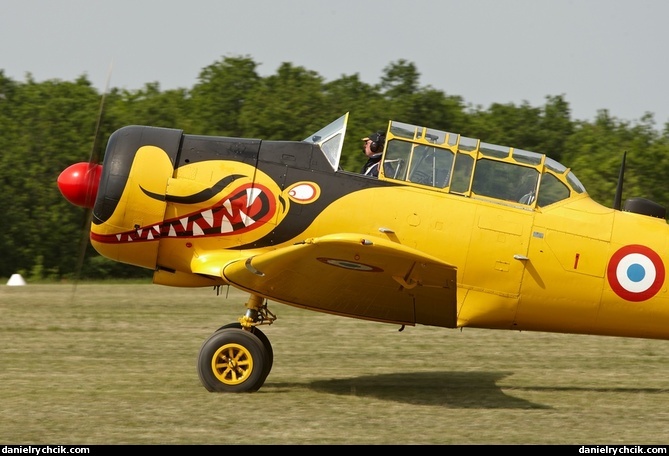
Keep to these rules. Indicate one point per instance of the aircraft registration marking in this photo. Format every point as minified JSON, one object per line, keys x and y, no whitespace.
{"x":635,"y":273}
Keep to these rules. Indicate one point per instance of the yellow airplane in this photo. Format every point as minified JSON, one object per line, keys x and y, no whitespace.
{"x":454,"y":232}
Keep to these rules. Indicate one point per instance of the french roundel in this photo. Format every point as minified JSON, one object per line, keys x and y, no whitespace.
{"x":635,"y":273}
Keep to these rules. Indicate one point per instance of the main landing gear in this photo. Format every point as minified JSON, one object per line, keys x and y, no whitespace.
{"x":238,"y":357}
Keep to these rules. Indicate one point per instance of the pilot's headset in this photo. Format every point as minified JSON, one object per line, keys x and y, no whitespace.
{"x":378,"y":141}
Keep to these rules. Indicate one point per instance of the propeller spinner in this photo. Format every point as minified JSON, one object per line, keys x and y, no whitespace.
{"x":79,"y":183}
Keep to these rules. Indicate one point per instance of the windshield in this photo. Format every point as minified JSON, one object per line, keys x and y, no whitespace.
{"x":331,"y":140}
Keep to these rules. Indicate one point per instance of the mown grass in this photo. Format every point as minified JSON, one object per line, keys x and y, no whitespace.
{"x":115,"y":364}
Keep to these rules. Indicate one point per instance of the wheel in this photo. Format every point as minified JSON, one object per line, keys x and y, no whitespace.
{"x":265,"y":341}
{"x":232,"y":360}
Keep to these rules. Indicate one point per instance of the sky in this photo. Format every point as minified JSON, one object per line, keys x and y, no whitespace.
{"x":597,"y":54}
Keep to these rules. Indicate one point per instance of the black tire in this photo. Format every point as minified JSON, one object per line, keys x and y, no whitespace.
{"x":232,"y":361}
{"x":265,"y":341}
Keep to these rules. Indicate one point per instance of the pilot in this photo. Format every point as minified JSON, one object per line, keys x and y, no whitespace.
{"x":373,"y":149}
{"x":528,"y":185}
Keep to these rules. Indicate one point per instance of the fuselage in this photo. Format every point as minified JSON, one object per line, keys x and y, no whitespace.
{"x":186,"y":206}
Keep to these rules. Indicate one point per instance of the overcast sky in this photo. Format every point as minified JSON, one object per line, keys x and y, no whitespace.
{"x":598,"y":54}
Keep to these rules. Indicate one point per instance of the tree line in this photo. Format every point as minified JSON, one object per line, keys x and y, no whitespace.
{"x":46,"y":126}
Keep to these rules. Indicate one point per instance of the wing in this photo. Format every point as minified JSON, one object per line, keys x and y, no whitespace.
{"x":351,"y":274}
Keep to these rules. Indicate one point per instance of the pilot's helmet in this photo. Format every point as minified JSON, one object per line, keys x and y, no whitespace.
{"x":378,"y":140}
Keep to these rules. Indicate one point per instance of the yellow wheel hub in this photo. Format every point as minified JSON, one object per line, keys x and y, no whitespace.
{"x":232,"y":364}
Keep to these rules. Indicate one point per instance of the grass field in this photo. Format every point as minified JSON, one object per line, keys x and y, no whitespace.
{"x":115,"y":364}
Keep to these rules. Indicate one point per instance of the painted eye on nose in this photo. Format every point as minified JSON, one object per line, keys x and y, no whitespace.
{"x":303,"y":192}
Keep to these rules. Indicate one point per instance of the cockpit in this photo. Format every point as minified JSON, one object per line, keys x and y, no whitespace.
{"x":456,"y":164}
{"x":470,"y":167}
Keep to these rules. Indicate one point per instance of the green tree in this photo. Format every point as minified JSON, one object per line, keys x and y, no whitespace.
{"x":284,"y":106}
{"x":150,"y":106}
{"x":408,"y":102}
{"x":508,"y":125}
{"x":52,"y":125}
{"x":350,"y":94}
{"x":555,"y":127}
{"x":595,"y":152}
{"x":220,"y":96}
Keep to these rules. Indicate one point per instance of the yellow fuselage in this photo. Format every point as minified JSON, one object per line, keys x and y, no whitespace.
{"x":567,"y":266}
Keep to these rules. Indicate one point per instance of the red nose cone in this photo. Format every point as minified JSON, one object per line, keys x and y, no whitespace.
{"x":79,"y":183}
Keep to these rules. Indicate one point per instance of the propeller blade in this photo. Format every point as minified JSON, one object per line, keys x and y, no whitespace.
{"x":95,"y":151}
{"x":87,"y":185}
{"x":83,"y":243}
{"x":617,"y":200}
